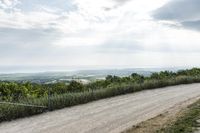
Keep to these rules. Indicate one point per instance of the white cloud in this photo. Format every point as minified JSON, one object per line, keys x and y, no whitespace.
{"x":106,"y":32}
{"x":184,"y":12}
{"x":8,"y":4}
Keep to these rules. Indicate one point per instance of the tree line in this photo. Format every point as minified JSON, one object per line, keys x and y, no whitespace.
{"x":14,"y":91}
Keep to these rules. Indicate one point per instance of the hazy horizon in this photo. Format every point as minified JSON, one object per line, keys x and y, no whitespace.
{"x":43,"y":69}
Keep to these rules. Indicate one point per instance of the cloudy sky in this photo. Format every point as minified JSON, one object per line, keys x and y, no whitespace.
{"x":108,"y":33}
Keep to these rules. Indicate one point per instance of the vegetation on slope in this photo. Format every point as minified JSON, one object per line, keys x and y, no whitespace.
{"x":186,"y":123}
{"x":63,"y":95}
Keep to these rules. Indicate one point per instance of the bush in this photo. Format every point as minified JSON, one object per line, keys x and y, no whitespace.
{"x":79,"y":95}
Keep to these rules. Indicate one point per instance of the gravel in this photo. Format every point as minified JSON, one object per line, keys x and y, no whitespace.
{"x":111,"y":115}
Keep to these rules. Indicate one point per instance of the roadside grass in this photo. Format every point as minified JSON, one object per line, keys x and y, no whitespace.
{"x":187,"y":123}
{"x":10,"y":112}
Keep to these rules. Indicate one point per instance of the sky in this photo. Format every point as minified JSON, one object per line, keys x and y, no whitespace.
{"x":100,"y":33}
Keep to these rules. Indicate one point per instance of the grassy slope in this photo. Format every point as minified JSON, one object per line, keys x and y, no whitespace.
{"x":186,"y":123}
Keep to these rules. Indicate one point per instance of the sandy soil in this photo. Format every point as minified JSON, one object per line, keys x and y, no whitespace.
{"x":111,"y":115}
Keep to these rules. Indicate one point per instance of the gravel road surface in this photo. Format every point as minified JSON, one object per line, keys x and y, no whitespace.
{"x":111,"y":115}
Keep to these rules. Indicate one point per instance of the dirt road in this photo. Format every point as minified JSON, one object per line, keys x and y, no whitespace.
{"x":111,"y":115}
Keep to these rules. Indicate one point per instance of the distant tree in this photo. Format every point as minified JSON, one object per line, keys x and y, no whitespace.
{"x":75,"y":86}
{"x":58,"y":88}
{"x":137,"y":77}
{"x":155,"y":76}
{"x":166,"y":74}
{"x":133,"y":75}
{"x":97,"y":84}
{"x":112,"y":79}
{"x":125,"y":79}
{"x":109,"y":78}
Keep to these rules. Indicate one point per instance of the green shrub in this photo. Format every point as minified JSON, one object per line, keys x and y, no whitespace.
{"x":80,"y":95}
